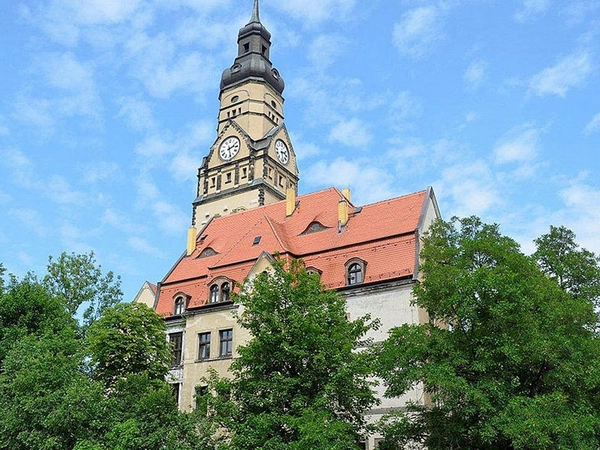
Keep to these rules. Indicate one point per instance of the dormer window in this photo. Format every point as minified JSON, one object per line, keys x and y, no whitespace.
{"x":214,"y":293}
{"x":179,"y":306}
{"x":225,"y":292}
{"x":355,"y":271}
{"x":220,"y":292}
{"x":314,"y":227}
{"x":208,"y":251}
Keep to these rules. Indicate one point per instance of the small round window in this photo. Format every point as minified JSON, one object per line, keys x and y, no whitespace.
{"x":235,"y":98}
{"x":273,"y":104}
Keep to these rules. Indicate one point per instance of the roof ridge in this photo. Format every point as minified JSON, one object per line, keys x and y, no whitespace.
{"x":388,"y":200}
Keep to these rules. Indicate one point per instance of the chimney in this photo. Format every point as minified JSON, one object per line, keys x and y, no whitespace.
{"x":346,"y":194}
{"x":191,"y":240}
{"x":342,"y":213}
{"x":290,"y":201}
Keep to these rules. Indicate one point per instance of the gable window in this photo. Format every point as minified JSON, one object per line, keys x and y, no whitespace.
{"x":179,"y":306}
{"x":176,"y":341}
{"x":214,"y":293}
{"x":220,"y":291}
{"x":225,"y":292}
{"x":226,"y":343}
{"x":204,"y":346}
{"x":355,"y":271}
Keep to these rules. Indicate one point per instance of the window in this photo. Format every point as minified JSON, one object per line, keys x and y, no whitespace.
{"x":176,"y":388}
{"x":204,"y":346}
{"x":220,"y":292}
{"x":228,"y":177}
{"x":226,"y":347}
{"x":355,"y":271}
{"x":179,"y":305}
{"x":355,"y":275}
{"x":256,"y":240}
{"x":247,"y":47}
{"x":225,"y":291}
{"x":214,"y":293}
{"x":176,"y":340}
{"x":244,"y":172}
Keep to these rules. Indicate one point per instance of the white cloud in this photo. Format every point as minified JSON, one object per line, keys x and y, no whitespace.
{"x":137,"y":113}
{"x":470,"y":188}
{"x":324,"y":50}
{"x":4,"y":131}
{"x":568,"y":73}
{"x":18,"y":165}
{"x":315,"y":11}
{"x":583,"y":213}
{"x":475,"y":73}
{"x":99,"y":171}
{"x":4,"y":198}
{"x":75,"y":81}
{"x":143,"y":246}
{"x":418,"y":30}
{"x":531,"y":9}
{"x":170,"y":218}
{"x":519,"y":145}
{"x":155,"y":146}
{"x":59,"y":190}
{"x":120,"y":221}
{"x":37,"y":113}
{"x":184,"y":166}
{"x":31,"y":219}
{"x":594,"y":125}
{"x":367,"y":182}
{"x":352,"y":133}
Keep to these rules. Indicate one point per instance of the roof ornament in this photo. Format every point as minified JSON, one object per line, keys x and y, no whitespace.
{"x":255,"y":13}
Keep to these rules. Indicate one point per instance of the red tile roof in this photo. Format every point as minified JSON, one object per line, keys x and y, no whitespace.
{"x":382,"y":234}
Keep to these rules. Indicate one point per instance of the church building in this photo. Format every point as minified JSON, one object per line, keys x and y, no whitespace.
{"x":247,"y":209}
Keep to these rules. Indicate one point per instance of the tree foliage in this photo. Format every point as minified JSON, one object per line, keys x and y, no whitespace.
{"x":509,"y":359}
{"x":299,"y":382}
{"x":51,"y":400}
{"x":79,"y":280}
{"x":128,"y":339}
{"x":575,"y":269}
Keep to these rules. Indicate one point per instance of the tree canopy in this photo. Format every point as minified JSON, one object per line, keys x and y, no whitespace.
{"x":299,"y":382}
{"x":510,"y":358}
{"x":101,"y":390}
{"x":78,"y":279}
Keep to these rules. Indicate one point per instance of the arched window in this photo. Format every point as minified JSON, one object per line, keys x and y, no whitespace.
{"x":179,"y":306}
{"x":225,"y":292}
{"x":355,"y":274}
{"x":220,"y":290}
{"x":355,"y":271}
{"x":214,"y":293}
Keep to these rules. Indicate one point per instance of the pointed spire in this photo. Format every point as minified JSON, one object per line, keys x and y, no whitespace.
{"x":255,"y":13}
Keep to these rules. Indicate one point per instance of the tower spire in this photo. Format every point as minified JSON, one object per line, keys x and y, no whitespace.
{"x":255,"y":13}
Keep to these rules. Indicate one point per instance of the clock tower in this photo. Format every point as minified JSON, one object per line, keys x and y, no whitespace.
{"x":252,"y":162}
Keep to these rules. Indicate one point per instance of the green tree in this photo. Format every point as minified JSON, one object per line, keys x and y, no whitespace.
{"x":128,"y":339}
{"x":509,"y":359}
{"x":299,"y":382}
{"x":79,"y":280}
{"x":46,"y":402}
{"x":575,"y":269}
{"x":51,"y":400}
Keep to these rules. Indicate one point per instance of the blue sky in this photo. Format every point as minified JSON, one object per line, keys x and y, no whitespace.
{"x":107,"y":108}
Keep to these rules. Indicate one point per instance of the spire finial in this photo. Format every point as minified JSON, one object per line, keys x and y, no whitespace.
{"x":255,"y":13}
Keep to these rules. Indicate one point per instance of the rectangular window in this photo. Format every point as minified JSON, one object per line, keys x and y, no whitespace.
{"x":226,"y":338}
{"x":176,"y":340}
{"x":176,"y":389}
{"x":204,"y":346}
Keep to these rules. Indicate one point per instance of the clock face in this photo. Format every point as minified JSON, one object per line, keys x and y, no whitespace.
{"x":282,"y":152}
{"x":229,"y":148}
